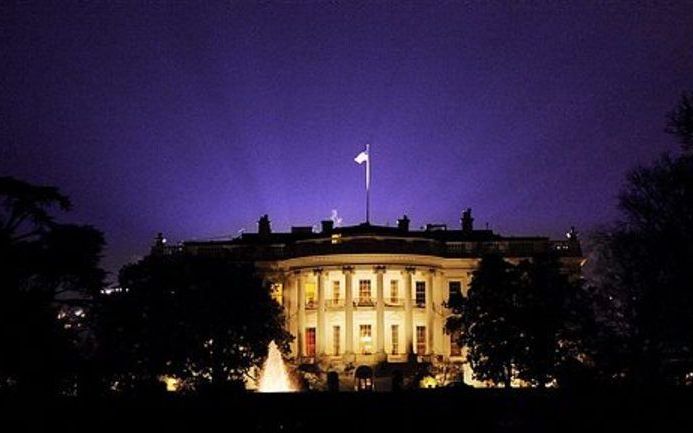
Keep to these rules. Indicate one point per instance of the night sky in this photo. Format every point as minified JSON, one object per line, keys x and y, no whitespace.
{"x":195,"y":120}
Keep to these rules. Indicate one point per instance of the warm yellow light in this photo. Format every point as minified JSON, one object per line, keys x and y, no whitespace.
{"x":277,"y":292}
{"x":428,"y":382}
{"x":310,"y":292}
{"x":275,"y":377}
{"x":172,"y":384}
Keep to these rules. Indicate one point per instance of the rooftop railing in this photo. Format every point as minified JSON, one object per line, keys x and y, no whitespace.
{"x":431,"y":247}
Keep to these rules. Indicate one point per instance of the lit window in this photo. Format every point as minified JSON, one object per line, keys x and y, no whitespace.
{"x":310,"y":294}
{"x":365,"y":292}
{"x":366,"y":339}
{"x":336,"y":339}
{"x":394,"y":291}
{"x":420,"y":293}
{"x":420,"y":340}
{"x":310,"y":341}
{"x":336,"y":292}
{"x":395,"y":339}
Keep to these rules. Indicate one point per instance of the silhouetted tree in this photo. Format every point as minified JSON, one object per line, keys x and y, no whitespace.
{"x":48,"y":273}
{"x":681,"y":122}
{"x":554,"y":312}
{"x":488,"y":321}
{"x":202,"y":319}
{"x":644,"y":268}
{"x":524,"y":321}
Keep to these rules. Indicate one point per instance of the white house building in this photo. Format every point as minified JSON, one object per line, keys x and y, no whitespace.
{"x":374,"y":296}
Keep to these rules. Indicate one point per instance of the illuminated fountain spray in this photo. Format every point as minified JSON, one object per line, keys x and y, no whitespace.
{"x":275,"y":377}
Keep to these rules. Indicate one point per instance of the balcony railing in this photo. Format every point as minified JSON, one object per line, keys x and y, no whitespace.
{"x":334,"y":302}
{"x":364,"y":302}
{"x":399,"y":357}
{"x":394,"y":302}
{"x":424,"y":246}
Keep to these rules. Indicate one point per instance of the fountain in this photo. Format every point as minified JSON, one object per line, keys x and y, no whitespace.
{"x":275,"y":377}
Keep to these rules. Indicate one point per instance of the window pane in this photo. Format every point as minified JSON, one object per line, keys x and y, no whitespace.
{"x":310,"y":294}
{"x":420,"y":293}
{"x":364,"y":289}
{"x":420,"y":340}
{"x":365,"y":339}
{"x":365,"y":292}
{"x":336,"y":292}
{"x":395,"y":339}
{"x":310,"y":341}
{"x":336,"y":339}
{"x":454,"y":289}
{"x":394,"y":291}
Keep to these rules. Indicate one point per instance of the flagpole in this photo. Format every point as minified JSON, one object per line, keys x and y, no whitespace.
{"x":368,"y":184}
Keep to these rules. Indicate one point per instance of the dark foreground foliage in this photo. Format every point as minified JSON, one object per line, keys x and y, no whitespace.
{"x":488,"y":410}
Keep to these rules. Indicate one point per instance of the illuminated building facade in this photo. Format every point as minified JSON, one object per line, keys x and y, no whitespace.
{"x":375,"y":296}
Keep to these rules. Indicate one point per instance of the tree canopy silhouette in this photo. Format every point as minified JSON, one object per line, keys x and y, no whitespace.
{"x":487,"y":321}
{"x":644,"y":267}
{"x":49,"y":272}
{"x":681,"y":122}
{"x":522,"y":321}
{"x":204,"y":320}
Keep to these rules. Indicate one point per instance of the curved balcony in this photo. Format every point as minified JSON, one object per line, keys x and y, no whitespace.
{"x":334,"y":303}
{"x":364,"y":302}
{"x":394,"y":302}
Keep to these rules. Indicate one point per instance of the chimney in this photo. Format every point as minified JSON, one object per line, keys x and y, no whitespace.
{"x":263,"y":226}
{"x":327,"y":226}
{"x":467,"y":220}
{"x":403,"y":224}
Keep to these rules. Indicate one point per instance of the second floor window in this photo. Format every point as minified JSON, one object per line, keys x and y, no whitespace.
{"x":394,"y":291}
{"x":311,"y":298}
{"x":454,"y":290}
{"x":364,"y":290}
{"x":336,"y":292}
{"x":420,"y":293}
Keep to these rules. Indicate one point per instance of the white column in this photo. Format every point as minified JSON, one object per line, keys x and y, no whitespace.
{"x":429,"y":312}
{"x":287,"y":304}
{"x":301,"y":314}
{"x":320,"y":276}
{"x":408,"y":314}
{"x":348,"y":311}
{"x":380,"y":312}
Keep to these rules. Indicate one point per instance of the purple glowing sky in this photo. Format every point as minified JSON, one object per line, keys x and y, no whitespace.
{"x":195,"y":121}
